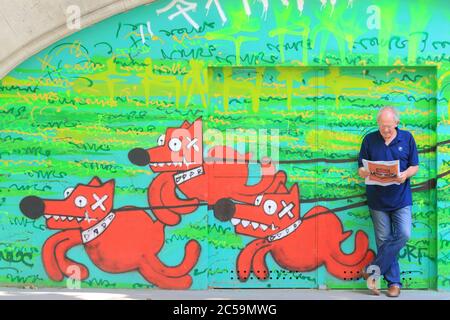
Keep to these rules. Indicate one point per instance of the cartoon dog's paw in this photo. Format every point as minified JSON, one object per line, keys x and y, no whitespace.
{"x":54,"y":274}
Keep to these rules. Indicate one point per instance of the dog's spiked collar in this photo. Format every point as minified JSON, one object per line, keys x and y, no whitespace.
{"x":285,"y":232}
{"x":93,"y":232}
{"x":189,"y":174}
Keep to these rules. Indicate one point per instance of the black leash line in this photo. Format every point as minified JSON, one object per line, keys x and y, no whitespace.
{"x":227,"y":160}
{"x":415,"y":188}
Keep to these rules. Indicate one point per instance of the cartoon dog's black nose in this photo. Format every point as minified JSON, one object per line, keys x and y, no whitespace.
{"x":32,"y":207}
{"x":224,"y":209}
{"x":139,"y":157}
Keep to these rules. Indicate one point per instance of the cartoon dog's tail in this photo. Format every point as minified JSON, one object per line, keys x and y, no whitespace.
{"x":192,"y":253}
{"x":265,"y":185}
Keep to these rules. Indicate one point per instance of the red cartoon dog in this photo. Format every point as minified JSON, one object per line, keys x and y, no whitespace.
{"x":296,"y":244}
{"x":116,"y":241}
{"x":179,"y":161}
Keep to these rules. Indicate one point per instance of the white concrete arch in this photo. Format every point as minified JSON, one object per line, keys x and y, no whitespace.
{"x":29,"y":26}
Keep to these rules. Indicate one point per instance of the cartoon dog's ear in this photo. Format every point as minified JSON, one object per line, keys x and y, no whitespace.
{"x":109,"y":185}
{"x":95,"y":182}
{"x":185,"y":124}
{"x":294,"y":192}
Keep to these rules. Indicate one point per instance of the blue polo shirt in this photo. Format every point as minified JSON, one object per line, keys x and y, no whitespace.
{"x":402,"y":148}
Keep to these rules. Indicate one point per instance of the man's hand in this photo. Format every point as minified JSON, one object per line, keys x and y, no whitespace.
{"x":363,"y":173}
{"x":401,"y":177}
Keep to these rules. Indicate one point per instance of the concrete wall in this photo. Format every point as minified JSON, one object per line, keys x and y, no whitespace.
{"x":111,"y":141}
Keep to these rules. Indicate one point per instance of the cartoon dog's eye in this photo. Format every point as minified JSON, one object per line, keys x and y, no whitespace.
{"x":175,"y":144}
{"x":161,"y":140}
{"x":68,"y":192}
{"x":80,"y":201}
{"x":258,"y":200}
{"x":270,"y":207}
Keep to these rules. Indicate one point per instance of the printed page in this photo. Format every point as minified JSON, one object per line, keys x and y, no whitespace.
{"x":382,"y":173}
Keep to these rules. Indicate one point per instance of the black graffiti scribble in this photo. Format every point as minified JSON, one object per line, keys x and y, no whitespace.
{"x":182,"y":31}
{"x":18,"y":255}
{"x":100,"y":283}
{"x":20,"y":279}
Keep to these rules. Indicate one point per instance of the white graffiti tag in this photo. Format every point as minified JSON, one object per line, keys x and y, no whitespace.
{"x":188,"y":6}
{"x":222,"y":15}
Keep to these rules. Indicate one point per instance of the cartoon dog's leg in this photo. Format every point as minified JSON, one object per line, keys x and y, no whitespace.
{"x":259,"y":265}
{"x":161,"y":193}
{"x":65,"y":264}
{"x":342,"y":271}
{"x":344,"y":265}
{"x":192,"y":253}
{"x":361,"y":249}
{"x":244,"y":260}
{"x":163,"y":281}
{"x":49,"y":256}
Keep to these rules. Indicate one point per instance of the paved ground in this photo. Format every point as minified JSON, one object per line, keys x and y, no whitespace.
{"x":212,"y":294}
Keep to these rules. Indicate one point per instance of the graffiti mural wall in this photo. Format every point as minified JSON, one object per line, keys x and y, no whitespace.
{"x":196,"y":144}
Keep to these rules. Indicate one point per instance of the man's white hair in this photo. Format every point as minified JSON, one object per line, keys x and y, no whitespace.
{"x":388,"y":109}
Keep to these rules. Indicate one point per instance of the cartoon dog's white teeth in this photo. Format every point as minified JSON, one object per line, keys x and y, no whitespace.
{"x":80,"y":219}
{"x":70,"y":218}
{"x":273,"y":227}
{"x":169,"y":164}
{"x":63,"y":218}
{"x":263,"y":227}
{"x":56,"y":218}
{"x":47,"y":216}
{"x":245,"y":223}
{"x":161,"y":164}
{"x":255,"y":225}
{"x":235,"y":221}
{"x":154,"y":164}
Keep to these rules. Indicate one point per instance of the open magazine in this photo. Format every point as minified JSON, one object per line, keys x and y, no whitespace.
{"x":382,"y":173}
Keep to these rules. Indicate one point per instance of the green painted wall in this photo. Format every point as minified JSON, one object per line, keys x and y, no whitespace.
{"x":317,"y":77}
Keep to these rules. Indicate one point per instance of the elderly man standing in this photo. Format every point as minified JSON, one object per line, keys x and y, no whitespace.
{"x":390,"y":206}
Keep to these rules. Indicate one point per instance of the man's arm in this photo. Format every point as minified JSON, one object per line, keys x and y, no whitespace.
{"x":413,"y":162}
{"x":363,"y":154}
{"x":363,"y":173}
{"x":408,"y":173}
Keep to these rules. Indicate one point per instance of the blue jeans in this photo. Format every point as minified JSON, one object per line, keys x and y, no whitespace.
{"x":392,"y":231}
